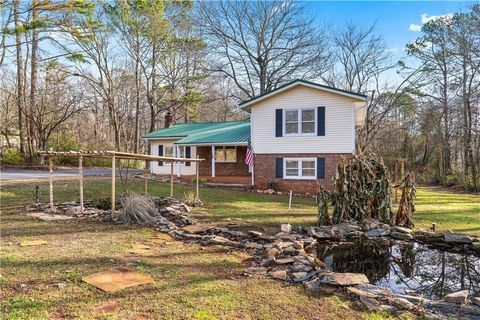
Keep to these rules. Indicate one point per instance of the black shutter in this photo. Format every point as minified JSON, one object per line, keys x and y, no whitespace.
{"x":278,"y":122}
{"x":321,"y":168}
{"x":187,"y":155}
{"x":279,"y":167}
{"x":320,"y":121}
{"x":160,"y":153}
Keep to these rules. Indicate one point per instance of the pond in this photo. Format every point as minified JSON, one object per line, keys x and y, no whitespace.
{"x":405,"y":268}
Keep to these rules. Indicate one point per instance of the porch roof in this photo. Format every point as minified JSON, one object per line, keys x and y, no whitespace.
{"x":230,"y":132}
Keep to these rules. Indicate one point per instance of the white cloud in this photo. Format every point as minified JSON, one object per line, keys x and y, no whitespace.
{"x":395,"y":49}
{"x":425,"y":19}
{"x":415,"y":27}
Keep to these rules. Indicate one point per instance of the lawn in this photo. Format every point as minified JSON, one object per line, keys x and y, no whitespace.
{"x":44,"y":282}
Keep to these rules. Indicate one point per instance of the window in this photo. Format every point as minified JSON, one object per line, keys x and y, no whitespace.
{"x":168,"y":151}
{"x":300,"y":121}
{"x":300,"y":168}
{"x":225,"y":154}
{"x":173,"y":152}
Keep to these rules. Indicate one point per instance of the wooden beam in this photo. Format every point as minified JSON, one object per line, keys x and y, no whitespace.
{"x":145,"y":172}
{"x":213,"y":161}
{"x":197,"y":177}
{"x":113,"y":185}
{"x":50,"y":166}
{"x":171,"y":178}
{"x":80,"y":176}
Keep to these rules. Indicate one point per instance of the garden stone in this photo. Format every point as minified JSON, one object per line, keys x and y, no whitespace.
{"x":298,"y":275}
{"x":456,"y":238}
{"x":284,"y":261}
{"x":344,"y":279}
{"x":476,"y":246}
{"x":370,"y":223}
{"x":255,"y":233}
{"x":378,"y":232}
{"x":298,"y":245}
{"x":289,"y":251}
{"x":286,"y":227}
{"x":257,"y":271}
{"x":401,"y":236}
{"x":370,"y":303}
{"x":402,"y":229}
{"x":402,"y":303}
{"x":318,"y":234}
{"x":224,"y":241}
{"x":267,"y":262}
{"x":476,"y":301}
{"x":272,"y":253}
{"x":457,"y":297}
{"x":300,"y":267}
{"x":279,"y":274}
{"x":361,"y":293}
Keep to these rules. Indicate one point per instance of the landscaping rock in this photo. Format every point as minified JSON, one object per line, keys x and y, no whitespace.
{"x":476,"y":301}
{"x":279,"y":274}
{"x":450,"y":237}
{"x":318,"y":234}
{"x":457,"y":297}
{"x":286,"y":228}
{"x":272,"y":253}
{"x":401,"y":236}
{"x":257,"y":271}
{"x":255,"y":233}
{"x":224,"y":241}
{"x":378,"y":232}
{"x":344,"y":279}
{"x":370,"y":303}
{"x":403,"y":304}
{"x":402,"y":229}
{"x":370,"y":223}
{"x":284,"y":261}
{"x":298,"y":275}
{"x":361,"y":293}
{"x":298,"y":245}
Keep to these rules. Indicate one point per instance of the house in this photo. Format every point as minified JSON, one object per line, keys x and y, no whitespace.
{"x":298,"y":133}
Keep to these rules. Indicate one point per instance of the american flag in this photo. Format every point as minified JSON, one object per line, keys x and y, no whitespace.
{"x":249,"y":158}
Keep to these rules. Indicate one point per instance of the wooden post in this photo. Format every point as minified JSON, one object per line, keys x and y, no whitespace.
{"x":171,"y":178}
{"x":50,"y":165}
{"x":80,"y":176}
{"x":213,"y":161}
{"x":113,"y":185}
{"x":197,"y":177}
{"x":145,"y":172}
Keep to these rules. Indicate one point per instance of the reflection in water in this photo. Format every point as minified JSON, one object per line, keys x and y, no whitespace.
{"x":405,"y":268}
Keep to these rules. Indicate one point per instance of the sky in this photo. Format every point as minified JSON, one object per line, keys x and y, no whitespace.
{"x":399,"y":22}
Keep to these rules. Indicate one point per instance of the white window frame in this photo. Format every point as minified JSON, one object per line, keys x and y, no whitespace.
{"x":225,"y":154}
{"x":299,"y":172}
{"x":176,"y":154}
{"x":299,"y":119}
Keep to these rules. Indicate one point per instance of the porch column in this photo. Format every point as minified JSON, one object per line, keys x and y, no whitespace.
{"x":213,"y":161}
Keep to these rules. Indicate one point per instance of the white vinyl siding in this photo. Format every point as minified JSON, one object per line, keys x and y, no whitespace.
{"x":179,"y":169}
{"x":339,"y":123}
{"x":300,"y":168}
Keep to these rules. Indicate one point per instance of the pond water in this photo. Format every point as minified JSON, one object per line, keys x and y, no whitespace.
{"x":407,"y":268}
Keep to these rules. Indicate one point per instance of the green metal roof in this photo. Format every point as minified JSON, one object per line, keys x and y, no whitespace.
{"x":205,"y":132}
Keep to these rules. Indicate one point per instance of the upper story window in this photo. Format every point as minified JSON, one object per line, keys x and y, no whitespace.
{"x":225,"y":154}
{"x":300,"y":121}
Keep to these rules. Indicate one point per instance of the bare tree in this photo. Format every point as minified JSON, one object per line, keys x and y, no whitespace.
{"x":263,"y":44}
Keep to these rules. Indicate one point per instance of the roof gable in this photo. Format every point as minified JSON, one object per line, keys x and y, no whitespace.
{"x":355,"y":96}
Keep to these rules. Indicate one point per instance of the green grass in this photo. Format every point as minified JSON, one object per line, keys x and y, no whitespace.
{"x":190,"y":282}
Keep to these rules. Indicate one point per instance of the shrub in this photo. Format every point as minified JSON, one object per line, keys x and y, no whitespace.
{"x":201,"y":180}
{"x":272,"y":184}
{"x":11,"y":156}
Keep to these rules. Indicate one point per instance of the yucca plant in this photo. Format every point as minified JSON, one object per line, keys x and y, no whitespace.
{"x":406,"y":207}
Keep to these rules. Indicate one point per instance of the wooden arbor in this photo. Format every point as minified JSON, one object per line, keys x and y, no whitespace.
{"x":114,"y":155}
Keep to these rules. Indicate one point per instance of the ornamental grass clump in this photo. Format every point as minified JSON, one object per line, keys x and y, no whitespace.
{"x":361,"y":190}
{"x":323,"y":198}
{"x":137,"y":209}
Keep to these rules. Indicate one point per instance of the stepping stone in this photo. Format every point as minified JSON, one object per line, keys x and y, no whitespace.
{"x":116,"y":280}
{"x":140,"y":249}
{"x":28,"y":243}
{"x":55,"y":217}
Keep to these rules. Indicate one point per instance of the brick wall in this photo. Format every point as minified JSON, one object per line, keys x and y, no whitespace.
{"x":238,"y":168}
{"x":265,"y":170}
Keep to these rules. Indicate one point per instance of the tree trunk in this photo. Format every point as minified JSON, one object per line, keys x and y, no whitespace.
{"x":20,"y":84}
{"x":33,"y":78}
